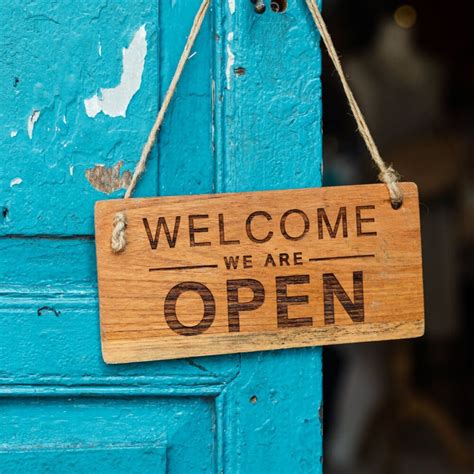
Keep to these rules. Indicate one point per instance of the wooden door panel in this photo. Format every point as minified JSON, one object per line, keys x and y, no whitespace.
{"x":272,"y":133}
{"x":49,"y":319}
{"x":74,"y":460}
{"x":246,"y":116}
{"x":108,"y":432}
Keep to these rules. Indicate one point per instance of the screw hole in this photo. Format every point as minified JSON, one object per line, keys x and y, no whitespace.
{"x":279,"y":6}
{"x":253,"y":399}
{"x":259,"y":6}
{"x":240,"y":71}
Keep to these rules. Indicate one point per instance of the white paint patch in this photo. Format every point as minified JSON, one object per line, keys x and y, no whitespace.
{"x":71,"y":170}
{"x":231,"y":6}
{"x":14,"y":133}
{"x":99,"y":48}
{"x":15,"y":182}
{"x":213,"y":102}
{"x":230,"y":60}
{"x":64,"y":119}
{"x":32,"y":119}
{"x":114,"y":101}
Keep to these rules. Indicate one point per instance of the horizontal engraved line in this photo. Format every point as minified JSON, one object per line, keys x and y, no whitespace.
{"x":341,"y":257}
{"x":185,"y":267}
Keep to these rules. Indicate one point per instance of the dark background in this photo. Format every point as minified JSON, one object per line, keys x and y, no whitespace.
{"x":407,"y":406}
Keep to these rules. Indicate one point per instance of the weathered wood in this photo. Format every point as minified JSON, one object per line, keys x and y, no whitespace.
{"x":228,"y":273}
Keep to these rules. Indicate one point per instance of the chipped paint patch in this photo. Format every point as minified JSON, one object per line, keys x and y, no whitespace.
{"x":71,"y":170}
{"x":231,"y":4}
{"x":32,"y":119}
{"x":15,"y":182}
{"x":114,"y":101}
{"x":230,"y":60}
{"x":108,"y":179}
{"x":13,"y":133}
{"x":213,"y":114}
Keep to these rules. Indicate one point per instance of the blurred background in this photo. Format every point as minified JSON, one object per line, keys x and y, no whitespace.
{"x":408,"y":406}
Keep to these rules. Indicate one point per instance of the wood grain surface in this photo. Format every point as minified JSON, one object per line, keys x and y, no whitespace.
{"x":226,"y":273}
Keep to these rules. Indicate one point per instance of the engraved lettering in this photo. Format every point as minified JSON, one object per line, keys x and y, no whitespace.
{"x":248,"y":227}
{"x":331,"y":287}
{"x":283,"y":301}
{"x":194,"y":230}
{"x":235,"y":306}
{"x":360,"y":220}
{"x":162,"y":223}
{"x":341,"y":217}
{"x":222,"y":239}
{"x":231,"y":262}
{"x":270,"y":260}
{"x":285,"y":216}
{"x":170,"y":308}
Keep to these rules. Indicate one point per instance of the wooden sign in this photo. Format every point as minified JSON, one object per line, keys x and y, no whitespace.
{"x":226,"y":273}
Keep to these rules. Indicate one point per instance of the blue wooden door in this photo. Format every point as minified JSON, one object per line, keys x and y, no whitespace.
{"x":81,"y":82}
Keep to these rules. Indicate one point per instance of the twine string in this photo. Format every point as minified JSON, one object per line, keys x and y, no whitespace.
{"x":386,"y":175}
{"x":140,"y":167}
{"x":119,"y":242}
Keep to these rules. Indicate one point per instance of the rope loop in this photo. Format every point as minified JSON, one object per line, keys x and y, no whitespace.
{"x":118,"y":242}
{"x":390,"y":177}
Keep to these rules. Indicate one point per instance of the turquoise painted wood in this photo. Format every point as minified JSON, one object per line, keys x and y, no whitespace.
{"x":75,"y":104}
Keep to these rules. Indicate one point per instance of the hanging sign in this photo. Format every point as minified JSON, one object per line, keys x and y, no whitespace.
{"x":228,"y":273}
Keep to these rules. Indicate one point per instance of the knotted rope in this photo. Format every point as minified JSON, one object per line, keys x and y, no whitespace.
{"x":387,"y":174}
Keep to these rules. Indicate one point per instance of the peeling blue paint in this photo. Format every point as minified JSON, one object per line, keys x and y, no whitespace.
{"x":51,"y":64}
{"x":114,"y":101}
